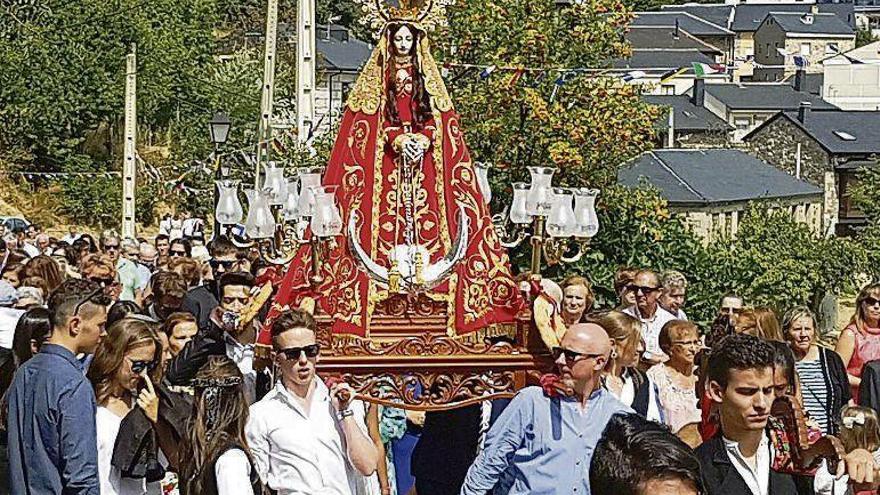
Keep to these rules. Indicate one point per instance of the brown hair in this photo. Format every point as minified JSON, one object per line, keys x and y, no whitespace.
{"x":97,"y":265}
{"x":747,"y":322}
{"x":188,"y":268}
{"x":290,"y":319}
{"x":677,"y":327}
{"x":768,"y":324}
{"x":122,"y":336}
{"x":858,"y":319}
{"x":175,"y":319}
{"x":37,"y":282}
{"x":866,"y":436}
{"x":622,"y":328}
{"x":46,"y":268}
{"x":220,"y":413}
{"x":623,"y":277}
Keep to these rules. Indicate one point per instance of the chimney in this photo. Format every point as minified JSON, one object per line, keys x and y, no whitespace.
{"x":807,"y":18}
{"x":799,"y":82}
{"x":814,"y":9}
{"x":803,"y":111}
{"x":699,"y":90}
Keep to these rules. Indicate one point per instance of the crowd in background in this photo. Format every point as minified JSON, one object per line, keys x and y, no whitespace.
{"x":130,"y":367}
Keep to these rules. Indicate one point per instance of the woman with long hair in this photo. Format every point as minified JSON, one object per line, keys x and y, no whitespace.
{"x":32,"y":329}
{"x":215,"y":456}
{"x":768,"y":324}
{"x":622,"y":376}
{"x":44,"y":267}
{"x":859,"y":342}
{"x":821,"y":373}
{"x":125,"y":367}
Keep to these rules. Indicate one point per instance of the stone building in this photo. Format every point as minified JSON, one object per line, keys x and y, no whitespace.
{"x":712,"y":188}
{"x":810,"y":36}
{"x":826,"y":148}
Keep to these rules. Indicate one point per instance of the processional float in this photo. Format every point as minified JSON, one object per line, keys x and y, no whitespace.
{"x":393,"y":244}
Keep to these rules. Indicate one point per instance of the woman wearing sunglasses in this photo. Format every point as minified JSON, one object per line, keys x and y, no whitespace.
{"x":859,"y":342}
{"x":123,"y":373}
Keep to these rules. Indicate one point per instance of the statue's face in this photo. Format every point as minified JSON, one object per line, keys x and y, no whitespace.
{"x":403,"y":41}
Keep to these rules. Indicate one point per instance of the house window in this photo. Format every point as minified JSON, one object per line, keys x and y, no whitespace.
{"x":805,"y":49}
{"x":767,"y":49}
{"x":847,"y":180}
{"x":667,"y":89}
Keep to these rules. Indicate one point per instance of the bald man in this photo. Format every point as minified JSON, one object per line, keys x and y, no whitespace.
{"x":544,"y":444}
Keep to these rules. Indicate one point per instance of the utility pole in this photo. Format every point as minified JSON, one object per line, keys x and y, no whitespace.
{"x":305,"y":68}
{"x":264,"y":131}
{"x":129,"y":164}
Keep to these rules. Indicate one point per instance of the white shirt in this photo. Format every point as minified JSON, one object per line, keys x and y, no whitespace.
{"x":233,"y":473}
{"x":112,"y":482}
{"x":243,"y":356}
{"x":31,"y":250}
{"x":651,"y":329}
{"x":628,"y":396}
{"x":70,"y":238}
{"x":757,"y":478}
{"x":299,"y":452}
{"x":8,"y":320}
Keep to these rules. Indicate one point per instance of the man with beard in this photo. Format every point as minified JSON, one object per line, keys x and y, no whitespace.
{"x":542,"y":443}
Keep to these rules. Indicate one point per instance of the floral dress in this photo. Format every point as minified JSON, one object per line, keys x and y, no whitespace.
{"x":679,"y":403}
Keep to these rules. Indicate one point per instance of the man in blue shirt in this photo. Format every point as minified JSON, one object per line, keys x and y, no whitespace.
{"x":541,"y":444}
{"x":51,"y":423}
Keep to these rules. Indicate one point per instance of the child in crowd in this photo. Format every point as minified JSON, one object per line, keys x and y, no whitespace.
{"x":860,"y":430}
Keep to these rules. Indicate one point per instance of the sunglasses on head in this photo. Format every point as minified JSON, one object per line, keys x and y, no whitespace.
{"x":870,"y":301}
{"x":226,"y":264}
{"x":571,"y":356}
{"x":138,"y":367}
{"x":293,"y":353}
{"x":97,"y":297}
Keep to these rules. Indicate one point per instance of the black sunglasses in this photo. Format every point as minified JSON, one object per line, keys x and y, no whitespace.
{"x":227,"y":265}
{"x":293,"y":353}
{"x":177,"y":253}
{"x":138,"y":367}
{"x":870,"y":301}
{"x":572,"y":356}
{"x":103,"y":282}
{"x":645,"y":290}
{"x":108,"y":247}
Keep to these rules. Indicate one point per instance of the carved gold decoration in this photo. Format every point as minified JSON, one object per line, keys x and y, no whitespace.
{"x":439,"y":391}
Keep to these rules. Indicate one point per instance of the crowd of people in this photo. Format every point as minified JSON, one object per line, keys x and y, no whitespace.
{"x":130,"y":367}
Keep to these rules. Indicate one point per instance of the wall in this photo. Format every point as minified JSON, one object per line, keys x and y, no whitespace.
{"x":714,"y":221}
{"x":818,"y":51}
{"x":768,"y":37}
{"x":852,"y":86}
{"x":744,"y":46}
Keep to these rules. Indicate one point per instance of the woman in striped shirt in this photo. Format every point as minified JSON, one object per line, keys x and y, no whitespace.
{"x":821,"y":374}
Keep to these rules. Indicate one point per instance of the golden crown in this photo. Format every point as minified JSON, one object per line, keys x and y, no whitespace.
{"x":426,"y":14}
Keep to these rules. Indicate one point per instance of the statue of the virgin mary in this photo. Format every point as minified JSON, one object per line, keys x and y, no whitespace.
{"x":416,"y":220}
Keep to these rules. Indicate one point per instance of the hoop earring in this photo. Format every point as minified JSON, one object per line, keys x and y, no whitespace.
{"x":613,"y":353}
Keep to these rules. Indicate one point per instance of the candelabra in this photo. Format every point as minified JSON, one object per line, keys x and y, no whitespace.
{"x":559,"y":222}
{"x":284,"y":214}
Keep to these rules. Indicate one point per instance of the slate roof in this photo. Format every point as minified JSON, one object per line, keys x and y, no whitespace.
{"x":648,"y":59}
{"x":812,"y":82}
{"x":829,"y":127}
{"x":688,"y":117}
{"x":348,"y":55}
{"x":712,"y":176}
{"x":686,"y":21}
{"x":792,"y":23}
{"x":763,"y":97}
{"x":664,"y":38}
{"x":747,"y":17}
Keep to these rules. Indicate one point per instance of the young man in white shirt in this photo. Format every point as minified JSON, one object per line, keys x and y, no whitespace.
{"x":739,"y":459}
{"x":304,"y":437}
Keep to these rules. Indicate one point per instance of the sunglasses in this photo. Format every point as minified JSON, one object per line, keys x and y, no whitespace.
{"x":138,"y":367}
{"x":177,"y":253}
{"x":645,"y":290}
{"x":870,"y":301}
{"x":110,"y":247}
{"x":572,"y":356}
{"x":227,"y":265}
{"x":293,"y":353}
{"x":103,"y":282}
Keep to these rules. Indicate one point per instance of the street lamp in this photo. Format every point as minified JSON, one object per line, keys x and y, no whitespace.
{"x":219,"y":127}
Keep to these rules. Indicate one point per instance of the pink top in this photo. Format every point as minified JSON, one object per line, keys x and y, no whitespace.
{"x":679,"y":402}
{"x":867,"y":348}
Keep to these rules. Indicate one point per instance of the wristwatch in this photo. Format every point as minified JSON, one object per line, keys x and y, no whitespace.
{"x":344,"y":414}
